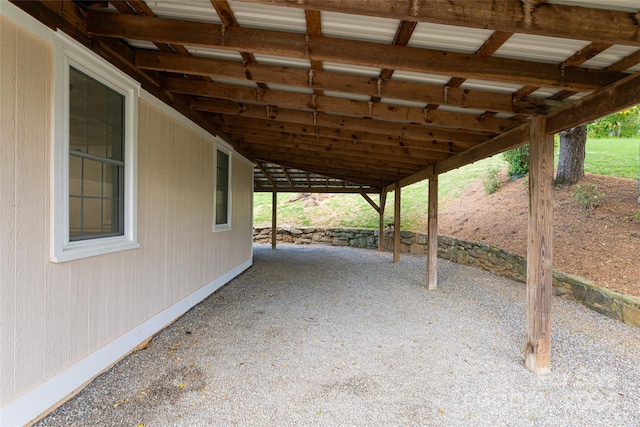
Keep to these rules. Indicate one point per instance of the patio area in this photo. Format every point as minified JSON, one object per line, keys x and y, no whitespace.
{"x":318,"y":335}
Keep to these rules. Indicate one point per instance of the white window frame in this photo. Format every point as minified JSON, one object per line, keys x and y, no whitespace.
{"x":223,"y":147}
{"x":69,"y":53}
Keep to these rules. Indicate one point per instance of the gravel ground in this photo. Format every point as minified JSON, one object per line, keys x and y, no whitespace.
{"x":327,"y":336}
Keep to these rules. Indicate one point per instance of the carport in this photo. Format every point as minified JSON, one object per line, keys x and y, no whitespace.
{"x":370,"y":96}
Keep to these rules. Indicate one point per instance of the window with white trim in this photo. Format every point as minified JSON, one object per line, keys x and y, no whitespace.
{"x":94,"y":155}
{"x":222,"y":202}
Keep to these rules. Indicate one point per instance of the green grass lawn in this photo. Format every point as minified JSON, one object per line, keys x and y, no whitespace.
{"x":617,"y":157}
{"x":612,"y":156}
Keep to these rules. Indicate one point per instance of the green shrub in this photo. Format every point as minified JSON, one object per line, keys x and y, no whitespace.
{"x":491,"y":181}
{"x":637,"y":216}
{"x":588,"y":196}
{"x":518,"y":160}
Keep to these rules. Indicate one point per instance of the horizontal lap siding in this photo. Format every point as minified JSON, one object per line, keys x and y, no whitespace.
{"x":53,"y":315}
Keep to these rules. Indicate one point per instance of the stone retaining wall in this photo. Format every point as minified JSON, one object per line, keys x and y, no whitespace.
{"x":480,"y":255}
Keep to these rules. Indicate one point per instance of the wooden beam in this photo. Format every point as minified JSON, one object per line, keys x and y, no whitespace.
{"x":396,"y":223}
{"x":539,"y":18}
{"x":402,"y":37}
{"x":432,"y":235}
{"x":199,"y":34}
{"x":257,"y":127}
{"x":312,"y":189}
{"x":618,"y":96}
{"x":327,"y":104}
{"x":284,"y":117}
{"x":339,"y":82}
{"x":361,"y":177}
{"x":371,"y":202}
{"x":383,"y":202}
{"x":539,"y":249}
{"x":286,"y":175}
{"x":266,"y":173}
{"x":506,"y":141}
{"x":274,"y":219}
{"x":419,"y":176}
{"x":370,"y":151}
{"x":389,"y":168}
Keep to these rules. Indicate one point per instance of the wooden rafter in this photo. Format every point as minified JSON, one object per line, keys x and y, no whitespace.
{"x":403,"y":34}
{"x":357,"y":85}
{"x":266,"y":173}
{"x":297,"y":102}
{"x":510,"y":16}
{"x":322,"y":48}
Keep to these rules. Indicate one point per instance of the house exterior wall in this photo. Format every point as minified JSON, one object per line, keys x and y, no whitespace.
{"x":71,"y":320}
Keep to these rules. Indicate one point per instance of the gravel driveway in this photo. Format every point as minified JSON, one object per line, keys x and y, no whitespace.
{"x":328,"y":336}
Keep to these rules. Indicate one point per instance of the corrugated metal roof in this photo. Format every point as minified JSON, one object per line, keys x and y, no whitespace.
{"x":243,"y":83}
{"x":359,"y":27}
{"x":539,"y":48}
{"x":190,"y":10}
{"x":403,"y":102}
{"x":358,"y":70}
{"x":449,"y":38}
{"x":269,"y":17}
{"x":490,"y":86}
{"x":624,"y":5}
{"x":295,"y":89}
{"x":229,"y":55}
{"x":344,"y":95}
{"x":281,"y":61}
{"x":610,"y":56}
{"x":410,"y":76}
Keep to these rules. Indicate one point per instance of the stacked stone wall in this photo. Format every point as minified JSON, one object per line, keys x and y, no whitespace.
{"x":480,"y":255}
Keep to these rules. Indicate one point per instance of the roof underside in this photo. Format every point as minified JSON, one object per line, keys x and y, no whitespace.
{"x":341,"y":96}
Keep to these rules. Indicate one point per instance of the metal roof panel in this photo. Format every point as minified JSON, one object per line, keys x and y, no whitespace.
{"x":529,"y":47}
{"x":267,"y":17}
{"x":449,"y":38}
{"x":359,"y":27}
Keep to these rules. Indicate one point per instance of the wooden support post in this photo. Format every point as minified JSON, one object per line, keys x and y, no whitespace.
{"x":383,"y":201}
{"x":539,"y":249}
{"x":396,"y":224}
{"x":274,"y":218}
{"x":432,"y":243}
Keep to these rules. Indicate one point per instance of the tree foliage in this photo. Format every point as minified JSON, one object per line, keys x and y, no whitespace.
{"x":623,"y":124}
{"x":518,"y":161}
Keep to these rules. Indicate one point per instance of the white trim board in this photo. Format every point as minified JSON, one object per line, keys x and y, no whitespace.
{"x":47,"y":395}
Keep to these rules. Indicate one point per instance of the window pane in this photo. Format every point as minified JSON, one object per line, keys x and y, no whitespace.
{"x":97,"y":131}
{"x":91,"y":216}
{"x":96,"y":134}
{"x":75,"y":217}
{"x":222,"y":188}
{"x":75,"y":176}
{"x":77,"y":92}
{"x":109,"y":181}
{"x":115,"y":108}
{"x":92,"y":179}
{"x":78,"y":133}
{"x":110,"y":216}
{"x":115,"y":140}
{"x":97,"y":99}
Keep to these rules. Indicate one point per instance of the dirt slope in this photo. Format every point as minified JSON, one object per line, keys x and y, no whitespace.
{"x":603,"y":246}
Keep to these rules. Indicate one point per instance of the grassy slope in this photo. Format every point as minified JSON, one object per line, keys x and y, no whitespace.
{"x":618,"y":157}
{"x":612,"y":156}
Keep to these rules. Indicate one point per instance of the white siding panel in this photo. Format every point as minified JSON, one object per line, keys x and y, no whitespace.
{"x":33,"y":126}
{"x":55,"y":314}
{"x":7,"y":208}
{"x":56,"y":336}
